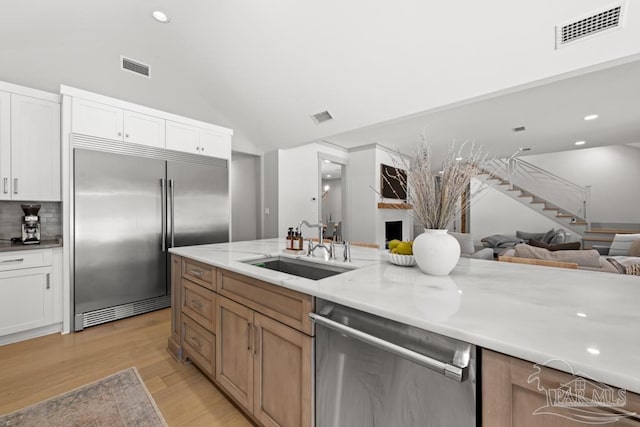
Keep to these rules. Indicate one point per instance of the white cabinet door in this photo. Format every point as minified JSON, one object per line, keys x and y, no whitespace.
{"x":181,"y":137}
{"x":26,"y":299}
{"x":215,"y":144}
{"x":143,"y":129}
{"x":5,"y":146}
{"x":35,"y":149}
{"x":95,"y":119}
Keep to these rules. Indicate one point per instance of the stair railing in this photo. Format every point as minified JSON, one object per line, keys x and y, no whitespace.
{"x":568,"y":197}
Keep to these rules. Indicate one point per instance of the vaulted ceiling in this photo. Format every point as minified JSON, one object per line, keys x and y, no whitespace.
{"x":263,"y":68}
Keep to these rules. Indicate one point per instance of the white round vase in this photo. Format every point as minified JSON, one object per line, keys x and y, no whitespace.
{"x":436,"y":252}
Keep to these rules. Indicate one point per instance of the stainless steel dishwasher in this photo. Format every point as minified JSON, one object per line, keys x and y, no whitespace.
{"x":371,"y":371}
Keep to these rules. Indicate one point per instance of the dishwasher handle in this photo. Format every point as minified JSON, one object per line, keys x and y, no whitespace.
{"x":444,"y":368}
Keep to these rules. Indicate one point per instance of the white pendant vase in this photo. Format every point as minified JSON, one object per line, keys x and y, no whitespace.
{"x":436,"y":252}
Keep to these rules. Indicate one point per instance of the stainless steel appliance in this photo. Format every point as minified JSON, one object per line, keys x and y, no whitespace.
{"x":131,"y":203}
{"x":372,"y":371}
{"x":30,"y":224}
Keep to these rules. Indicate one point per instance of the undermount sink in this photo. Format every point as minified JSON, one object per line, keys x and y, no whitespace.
{"x":299,"y":267}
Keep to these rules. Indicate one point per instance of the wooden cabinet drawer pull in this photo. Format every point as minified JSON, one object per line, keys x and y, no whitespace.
{"x":197,"y":273}
{"x":197,"y":304}
{"x":197,"y":341}
{"x":249,"y":336}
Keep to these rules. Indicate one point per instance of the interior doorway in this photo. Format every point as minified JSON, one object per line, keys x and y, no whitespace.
{"x":332,"y":198}
{"x":245,"y":197}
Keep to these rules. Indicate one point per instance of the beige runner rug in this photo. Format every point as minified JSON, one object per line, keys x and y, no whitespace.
{"x":117,"y":400}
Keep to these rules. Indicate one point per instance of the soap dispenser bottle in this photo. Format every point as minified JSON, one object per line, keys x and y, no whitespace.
{"x":290,"y":238}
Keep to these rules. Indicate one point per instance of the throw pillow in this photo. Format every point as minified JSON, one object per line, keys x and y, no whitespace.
{"x":558,"y":237}
{"x":558,"y":247}
{"x":634,"y":250}
{"x":622,"y":243}
{"x":585,"y":258}
{"x":466,"y":242}
{"x":526,"y":236}
{"x":548,"y":236}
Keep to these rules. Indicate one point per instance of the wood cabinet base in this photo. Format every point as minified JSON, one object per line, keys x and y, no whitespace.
{"x":520,"y":393}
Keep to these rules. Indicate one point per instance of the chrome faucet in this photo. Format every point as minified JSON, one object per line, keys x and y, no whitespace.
{"x":320,"y":245}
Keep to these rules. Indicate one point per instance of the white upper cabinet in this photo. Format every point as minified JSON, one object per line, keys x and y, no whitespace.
{"x":103,"y":117}
{"x":105,"y":121}
{"x":35,"y":150}
{"x":181,"y":137}
{"x":192,"y":139}
{"x":215,"y":144}
{"x":96,"y":119}
{"x":5,"y":146}
{"x":143,"y":129}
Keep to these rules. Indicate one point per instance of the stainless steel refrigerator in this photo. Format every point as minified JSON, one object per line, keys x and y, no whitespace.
{"x":129,"y":208}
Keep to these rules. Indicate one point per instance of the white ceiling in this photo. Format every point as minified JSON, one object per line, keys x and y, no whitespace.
{"x":553,"y":115}
{"x":263,"y":68}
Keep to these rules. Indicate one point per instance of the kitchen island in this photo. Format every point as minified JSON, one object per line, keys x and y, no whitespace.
{"x":574,"y":321}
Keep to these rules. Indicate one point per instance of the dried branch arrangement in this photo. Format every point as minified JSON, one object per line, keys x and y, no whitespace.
{"x":435,"y":193}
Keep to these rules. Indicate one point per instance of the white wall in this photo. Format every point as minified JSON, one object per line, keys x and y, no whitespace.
{"x":245,"y":197}
{"x":299,"y":185}
{"x":270,"y":191}
{"x":613,"y":172}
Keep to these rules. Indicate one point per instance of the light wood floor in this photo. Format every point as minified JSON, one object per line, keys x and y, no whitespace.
{"x":34,"y":370}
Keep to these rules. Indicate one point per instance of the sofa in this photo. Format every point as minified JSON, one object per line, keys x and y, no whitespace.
{"x":500,"y":242}
{"x":468,"y":249}
{"x":585,"y":259}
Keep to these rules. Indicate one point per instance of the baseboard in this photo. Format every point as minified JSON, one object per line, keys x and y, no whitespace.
{"x":31,"y":333}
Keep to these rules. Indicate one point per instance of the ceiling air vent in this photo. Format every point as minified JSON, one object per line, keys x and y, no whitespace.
{"x":322,"y":117}
{"x":135,"y":66}
{"x":595,"y":23}
{"x":519,"y":129}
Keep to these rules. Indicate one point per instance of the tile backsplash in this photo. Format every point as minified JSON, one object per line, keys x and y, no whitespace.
{"x":11,"y":219}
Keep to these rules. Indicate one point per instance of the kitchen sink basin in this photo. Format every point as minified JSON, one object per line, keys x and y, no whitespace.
{"x":299,"y":267}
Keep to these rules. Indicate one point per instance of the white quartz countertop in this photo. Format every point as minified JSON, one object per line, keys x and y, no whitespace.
{"x":587,"y":322}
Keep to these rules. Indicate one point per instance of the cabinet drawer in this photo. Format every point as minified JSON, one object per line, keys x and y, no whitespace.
{"x":289,"y":307}
{"x":199,"y":345}
{"x":200,"y":273}
{"x":199,"y":304}
{"x":25,"y":259}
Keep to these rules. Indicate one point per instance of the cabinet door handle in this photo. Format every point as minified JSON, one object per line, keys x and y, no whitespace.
{"x":5,"y":183}
{"x":249,"y":336}
{"x":202,"y":149}
{"x":126,"y":135}
{"x":119,"y":133}
{"x":197,"y":304}
{"x":197,"y":273}
{"x":48,"y":280}
{"x":257,"y":340}
{"x":12,"y":260}
{"x":15,"y":185}
{"x":197,"y":341}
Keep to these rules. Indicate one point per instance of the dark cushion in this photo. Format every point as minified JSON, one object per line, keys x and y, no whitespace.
{"x":570,"y":246}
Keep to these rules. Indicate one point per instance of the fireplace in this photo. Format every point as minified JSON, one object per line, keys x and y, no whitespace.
{"x":392,"y":230}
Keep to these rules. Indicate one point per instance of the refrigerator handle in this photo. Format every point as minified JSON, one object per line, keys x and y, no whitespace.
{"x":163,"y":211}
{"x":172,"y":213}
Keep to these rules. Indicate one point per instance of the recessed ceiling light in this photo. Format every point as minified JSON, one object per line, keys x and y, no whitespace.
{"x":161,"y":17}
{"x":327,"y":161}
{"x":591,"y":117}
{"x":593,"y":351}
{"x":328,"y":176}
{"x":327,"y":187}
{"x":458,"y":159}
{"x":581,"y":315}
{"x":579,"y":142}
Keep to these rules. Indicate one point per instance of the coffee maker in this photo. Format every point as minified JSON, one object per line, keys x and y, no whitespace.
{"x":30,"y":225}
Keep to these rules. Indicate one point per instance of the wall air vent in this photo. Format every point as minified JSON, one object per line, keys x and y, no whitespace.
{"x":135,"y":67}
{"x":519,"y":129}
{"x":595,"y":23}
{"x":322,"y":117}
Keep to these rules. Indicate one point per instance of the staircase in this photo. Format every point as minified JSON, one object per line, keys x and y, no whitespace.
{"x":564,"y":202}
{"x":603,"y":236}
